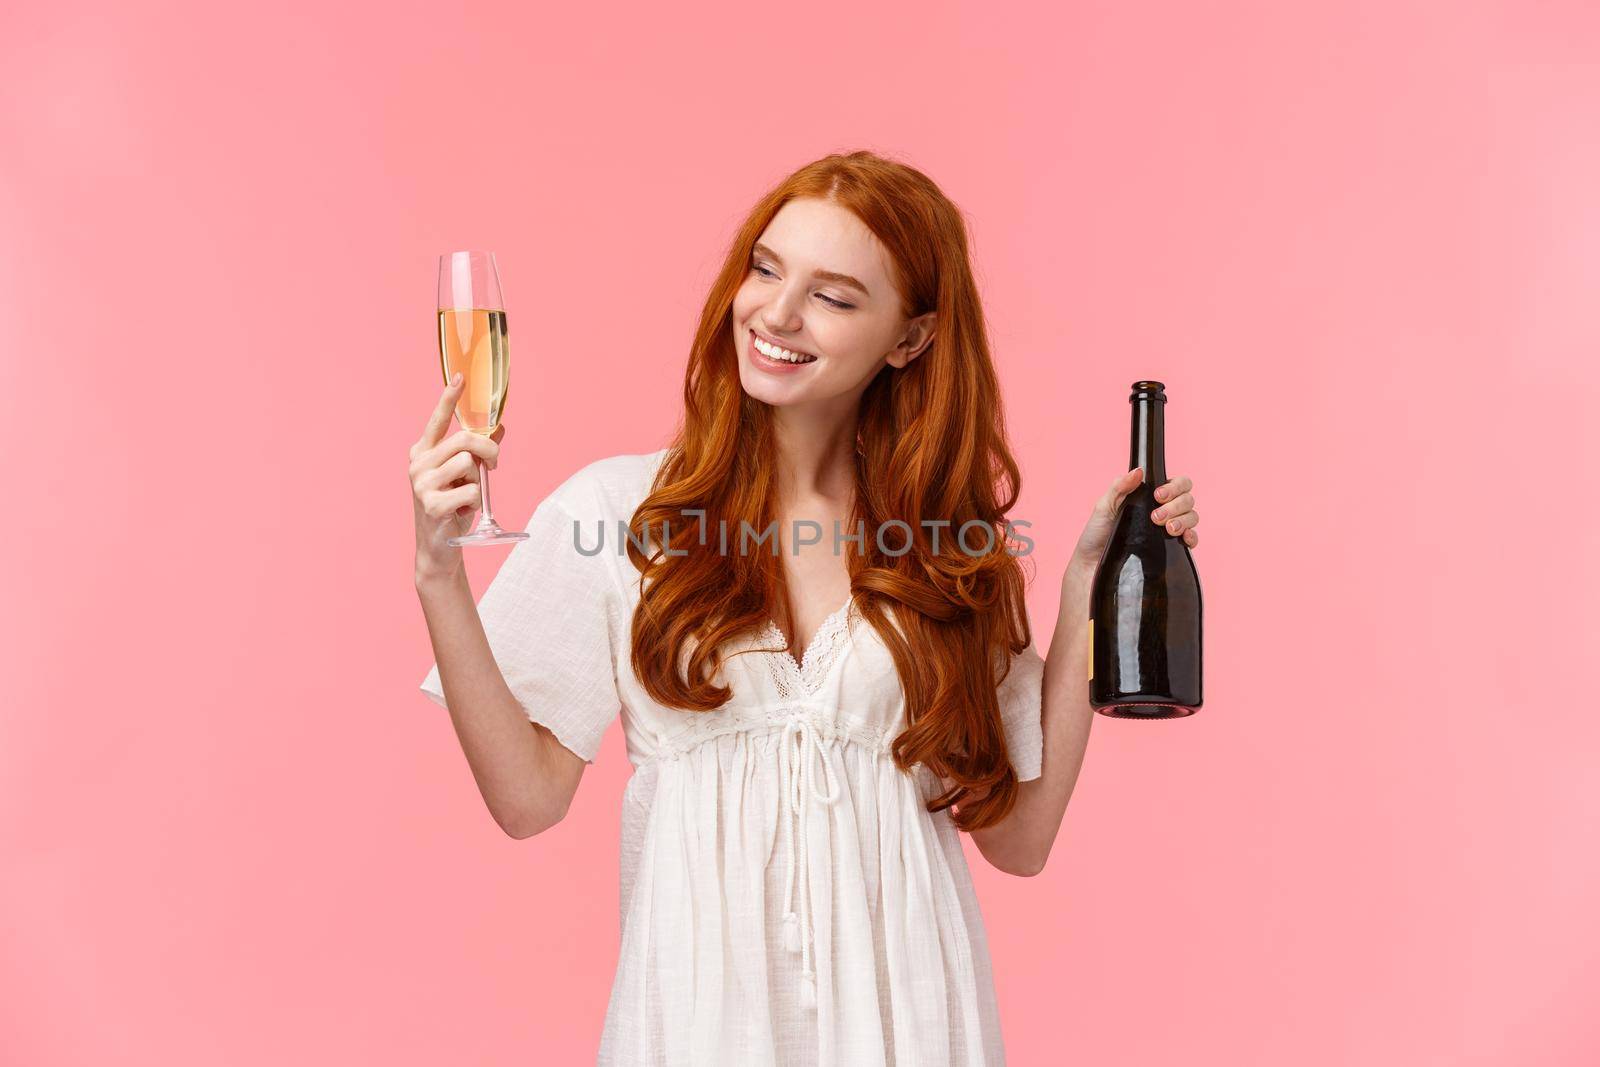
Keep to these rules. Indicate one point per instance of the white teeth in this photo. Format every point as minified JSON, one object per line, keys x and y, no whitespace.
{"x":774,"y":352}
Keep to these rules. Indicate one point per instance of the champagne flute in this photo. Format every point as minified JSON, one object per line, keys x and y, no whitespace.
{"x":472,"y":340}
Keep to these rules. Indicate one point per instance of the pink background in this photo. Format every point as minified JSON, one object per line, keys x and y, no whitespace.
{"x":1359,"y":242}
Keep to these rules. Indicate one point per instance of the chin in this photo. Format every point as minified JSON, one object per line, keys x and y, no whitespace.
{"x":758,"y":386}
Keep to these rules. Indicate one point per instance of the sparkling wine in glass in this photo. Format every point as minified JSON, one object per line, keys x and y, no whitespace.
{"x":472,"y":340}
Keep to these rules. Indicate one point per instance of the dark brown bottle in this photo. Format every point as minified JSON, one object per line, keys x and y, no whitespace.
{"x":1144,"y":609}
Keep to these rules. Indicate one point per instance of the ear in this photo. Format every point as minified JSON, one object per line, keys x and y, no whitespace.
{"x":918,"y":335}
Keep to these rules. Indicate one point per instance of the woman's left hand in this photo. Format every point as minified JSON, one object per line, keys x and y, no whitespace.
{"x":1175,"y":511}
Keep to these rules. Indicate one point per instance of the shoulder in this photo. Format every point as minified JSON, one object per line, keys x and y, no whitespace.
{"x":610,"y":487}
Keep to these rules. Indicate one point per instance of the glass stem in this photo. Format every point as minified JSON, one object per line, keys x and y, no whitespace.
{"x":486,"y":518}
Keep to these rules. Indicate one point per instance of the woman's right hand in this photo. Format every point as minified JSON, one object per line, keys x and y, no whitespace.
{"x":444,"y":484}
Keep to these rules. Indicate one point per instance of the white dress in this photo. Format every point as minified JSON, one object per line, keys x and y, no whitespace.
{"x":786,"y":897}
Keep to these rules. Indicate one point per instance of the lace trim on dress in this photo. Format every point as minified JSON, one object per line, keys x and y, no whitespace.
{"x":805,"y":678}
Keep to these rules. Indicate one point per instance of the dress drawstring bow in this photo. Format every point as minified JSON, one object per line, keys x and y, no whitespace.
{"x":799,"y":789}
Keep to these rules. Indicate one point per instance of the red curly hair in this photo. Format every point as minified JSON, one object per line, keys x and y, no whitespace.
{"x":931,"y":444}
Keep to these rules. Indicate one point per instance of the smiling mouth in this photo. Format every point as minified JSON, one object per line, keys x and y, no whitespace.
{"x":778,"y":353}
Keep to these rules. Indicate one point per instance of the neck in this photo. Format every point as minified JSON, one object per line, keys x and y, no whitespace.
{"x":816,"y":452}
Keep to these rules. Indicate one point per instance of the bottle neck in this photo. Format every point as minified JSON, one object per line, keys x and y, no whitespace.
{"x":1149,"y":440}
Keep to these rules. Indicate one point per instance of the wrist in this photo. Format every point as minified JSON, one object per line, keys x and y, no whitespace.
{"x":432,"y":579}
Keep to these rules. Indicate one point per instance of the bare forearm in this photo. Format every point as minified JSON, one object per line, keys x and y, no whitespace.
{"x":516,"y":765}
{"x":1021,"y":843}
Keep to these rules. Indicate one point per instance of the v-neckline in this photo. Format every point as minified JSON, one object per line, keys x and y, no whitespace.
{"x":821,"y":632}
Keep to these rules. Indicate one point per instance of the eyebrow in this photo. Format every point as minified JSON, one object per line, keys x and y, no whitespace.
{"x":825,"y":275}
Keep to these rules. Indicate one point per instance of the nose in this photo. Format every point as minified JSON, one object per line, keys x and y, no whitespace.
{"x":781,"y":314}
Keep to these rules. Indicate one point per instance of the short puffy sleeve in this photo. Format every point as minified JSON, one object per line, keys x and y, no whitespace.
{"x":1020,"y":695}
{"x":551,"y":616}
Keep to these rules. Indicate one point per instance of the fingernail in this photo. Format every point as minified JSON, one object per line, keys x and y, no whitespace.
{"x":1161,"y":494}
{"x":455,"y":379}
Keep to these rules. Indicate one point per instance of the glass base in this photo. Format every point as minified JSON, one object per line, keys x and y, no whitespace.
{"x":488,"y":533}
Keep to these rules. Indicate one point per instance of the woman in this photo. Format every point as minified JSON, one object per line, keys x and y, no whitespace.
{"x":809,"y":728}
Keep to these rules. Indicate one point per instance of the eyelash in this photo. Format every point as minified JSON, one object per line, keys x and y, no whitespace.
{"x":841,"y":305}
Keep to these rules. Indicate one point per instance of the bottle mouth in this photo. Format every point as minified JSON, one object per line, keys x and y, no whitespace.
{"x":1148,"y":390}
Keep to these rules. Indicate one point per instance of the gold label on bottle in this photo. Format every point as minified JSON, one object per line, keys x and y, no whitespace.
{"x":1091,"y":650}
